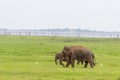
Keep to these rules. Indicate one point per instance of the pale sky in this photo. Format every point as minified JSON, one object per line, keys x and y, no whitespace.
{"x":101,"y":15}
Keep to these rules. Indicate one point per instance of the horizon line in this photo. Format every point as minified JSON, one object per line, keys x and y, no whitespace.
{"x":59,"y":29}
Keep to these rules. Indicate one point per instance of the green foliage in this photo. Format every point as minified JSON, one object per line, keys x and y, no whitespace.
{"x":32,"y":58}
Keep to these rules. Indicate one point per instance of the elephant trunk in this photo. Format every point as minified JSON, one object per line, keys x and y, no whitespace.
{"x":56,"y":60}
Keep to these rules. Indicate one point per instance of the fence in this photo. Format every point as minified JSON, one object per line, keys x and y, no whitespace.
{"x":61,"y":33}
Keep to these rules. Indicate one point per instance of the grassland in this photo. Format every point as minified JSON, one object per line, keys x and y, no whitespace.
{"x":32,"y":58}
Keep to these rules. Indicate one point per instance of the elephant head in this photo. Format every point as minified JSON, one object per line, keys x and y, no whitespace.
{"x":66,"y":51}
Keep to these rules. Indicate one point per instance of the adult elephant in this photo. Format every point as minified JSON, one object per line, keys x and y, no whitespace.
{"x":78,"y":52}
{"x":59,"y":56}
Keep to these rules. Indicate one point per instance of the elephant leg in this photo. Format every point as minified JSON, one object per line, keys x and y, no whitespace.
{"x":86,"y":63}
{"x":73,"y":62}
{"x":78,"y":62}
{"x":68,"y":63}
{"x":61,"y":63}
{"x":82,"y":62}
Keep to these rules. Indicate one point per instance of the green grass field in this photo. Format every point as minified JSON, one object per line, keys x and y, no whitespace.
{"x":32,"y":58}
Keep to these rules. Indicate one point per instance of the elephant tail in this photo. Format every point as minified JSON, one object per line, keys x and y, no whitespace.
{"x":94,"y":63}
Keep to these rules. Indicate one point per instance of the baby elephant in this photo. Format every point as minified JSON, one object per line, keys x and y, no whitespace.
{"x":62,"y":58}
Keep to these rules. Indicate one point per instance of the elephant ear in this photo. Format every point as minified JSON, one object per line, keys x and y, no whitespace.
{"x":66,"y":48}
